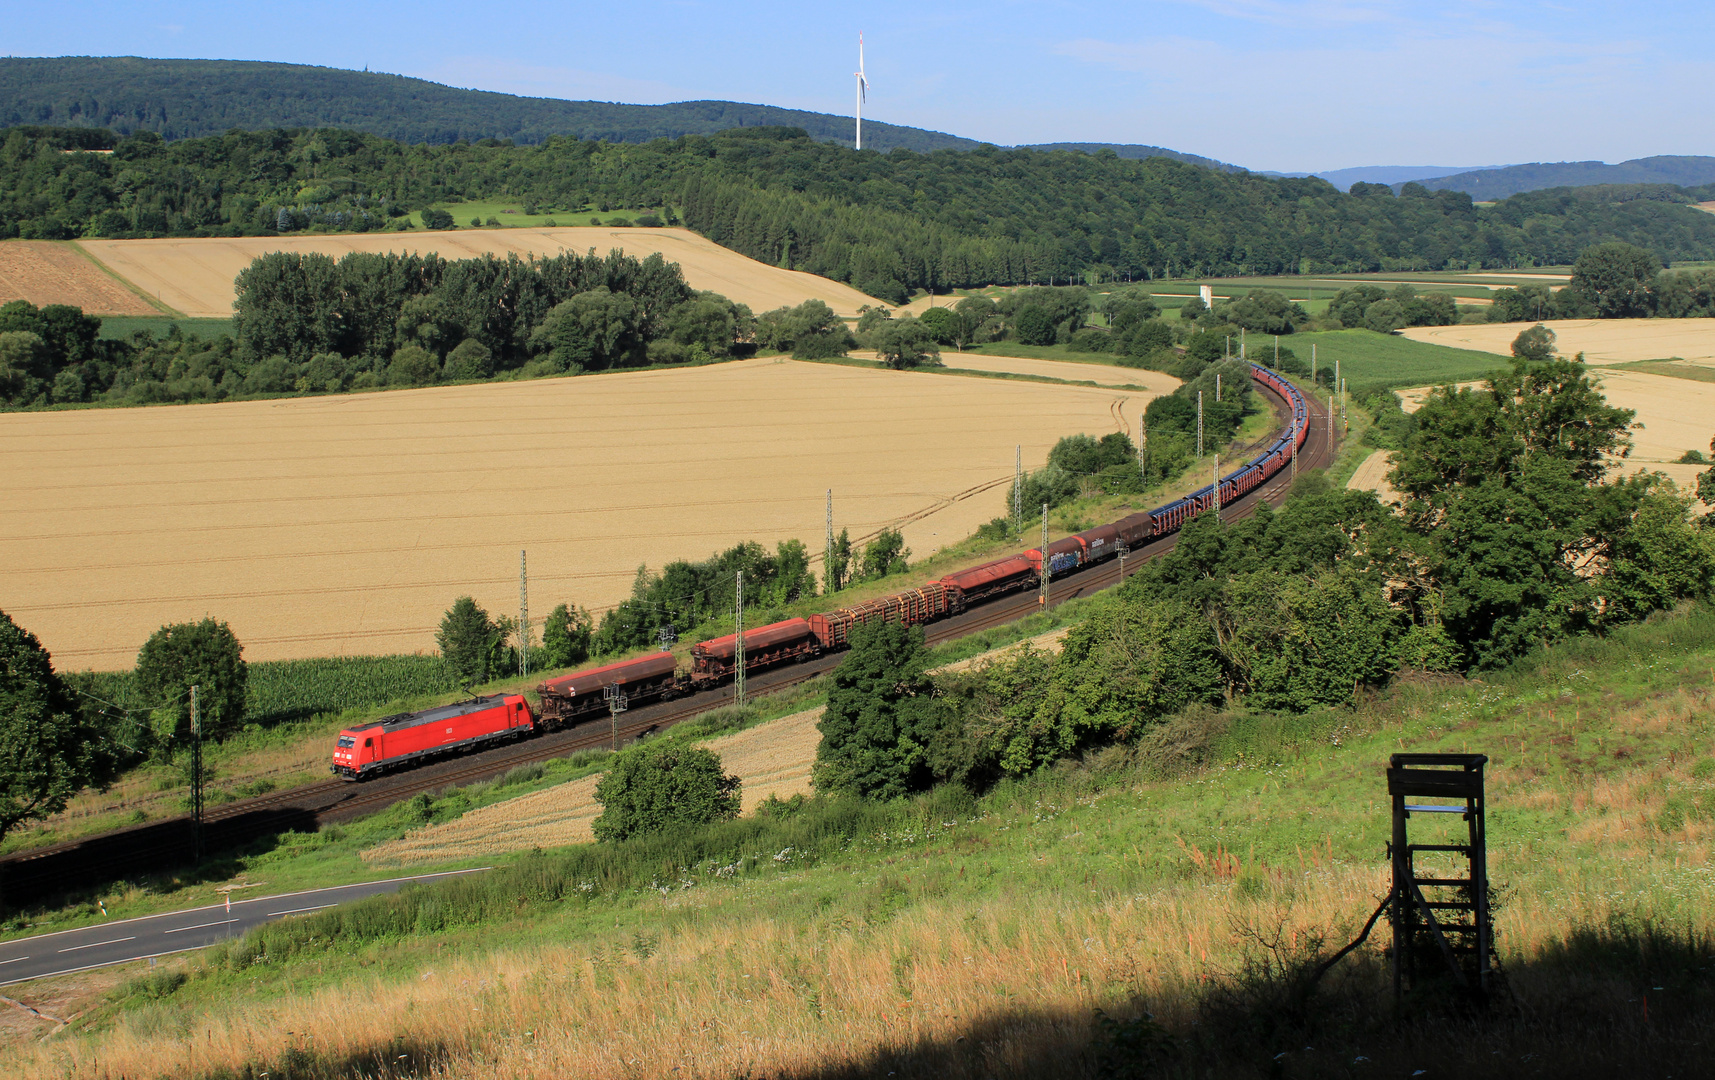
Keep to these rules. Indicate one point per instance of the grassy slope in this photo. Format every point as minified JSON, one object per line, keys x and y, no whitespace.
{"x":1101,"y":886}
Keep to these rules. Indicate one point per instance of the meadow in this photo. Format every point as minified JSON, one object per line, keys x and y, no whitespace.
{"x":346,"y":525}
{"x":194,"y":277}
{"x":1196,"y":877}
{"x":510,"y":214}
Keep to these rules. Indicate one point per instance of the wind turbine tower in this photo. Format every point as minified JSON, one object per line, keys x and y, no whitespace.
{"x":862,"y":93}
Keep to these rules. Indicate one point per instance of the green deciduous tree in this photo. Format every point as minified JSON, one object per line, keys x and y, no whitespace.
{"x":470,"y":359}
{"x":1619,"y":278}
{"x":470,"y":642}
{"x":881,"y":718}
{"x":1034,"y":325}
{"x":886,"y":554}
{"x":566,"y":637}
{"x":661,"y":786}
{"x":49,"y":749}
{"x":1535,"y":344}
{"x":906,"y":343}
{"x":205,"y":654}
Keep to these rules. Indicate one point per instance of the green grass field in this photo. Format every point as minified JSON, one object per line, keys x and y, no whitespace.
{"x":1138,"y":880}
{"x":1382,"y":361}
{"x":512,"y":215}
{"x":123,"y":326}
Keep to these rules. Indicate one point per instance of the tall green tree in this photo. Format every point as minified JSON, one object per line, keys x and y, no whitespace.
{"x":1619,"y":277}
{"x":661,"y":786}
{"x":881,"y":717}
{"x":49,"y":748}
{"x":1535,"y":344}
{"x":566,"y":637}
{"x":470,"y":642}
{"x":906,"y":343}
{"x":205,"y":654}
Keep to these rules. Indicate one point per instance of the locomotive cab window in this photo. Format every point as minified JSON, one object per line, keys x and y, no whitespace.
{"x":369,"y":741}
{"x":346,"y":742}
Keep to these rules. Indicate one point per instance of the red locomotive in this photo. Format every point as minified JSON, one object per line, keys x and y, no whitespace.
{"x":411,"y":738}
{"x":568,"y":699}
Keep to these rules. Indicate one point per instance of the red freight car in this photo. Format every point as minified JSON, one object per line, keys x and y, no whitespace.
{"x":410,"y":738}
{"x":776,"y":643}
{"x":570,"y":698}
{"x":990,"y":579}
{"x":911,"y":607}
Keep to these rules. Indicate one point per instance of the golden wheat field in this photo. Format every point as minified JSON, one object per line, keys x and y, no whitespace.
{"x":347,"y":525}
{"x":195,"y":276}
{"x":44,"y":273}
{"x":1602,"y":341}
{"x":772,"y":759}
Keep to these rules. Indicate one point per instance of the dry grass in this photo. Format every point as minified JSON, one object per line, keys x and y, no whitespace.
{"x":1047,"y":643}
{"x":1156,"y":382}
{"x":1602,"y":341}
{"x":1371,"y":475}
{"x":195,"y":276}
{"x":346,"y":525}
{"x":772,"y":759}
{"x":46,"y":273}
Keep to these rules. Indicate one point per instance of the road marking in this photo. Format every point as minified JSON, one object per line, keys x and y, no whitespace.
{"x":198,"y":926}
{"x":14,"y":960}
{"x":93,"y":944}
{"x":296,"y":910}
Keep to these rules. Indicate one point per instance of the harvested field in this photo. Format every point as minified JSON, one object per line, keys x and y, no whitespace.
{"x":44,"y":273}
{"x":346,"y":525}
{"x":772,"y":759}
{"x":1156,"y":382}
{"x":1372,"y":476}
{"x":1602,"y":341}
{"x":195,"y":276}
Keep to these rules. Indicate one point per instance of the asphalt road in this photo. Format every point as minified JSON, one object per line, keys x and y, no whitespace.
{"x":124,"y":940}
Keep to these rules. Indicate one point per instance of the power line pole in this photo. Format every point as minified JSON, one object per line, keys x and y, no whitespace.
{"x":1345,"y":421}
{"x":828,"y":558}
{"x":1312,"y":365}
{"x":1218,"y":377}
{"x":1042,"y":595}
{"x":1330,"y":423}
{"x":738,"y":649}
{"x":1018,"y":489}
{"x":1143,"y":451}
{"x":523,"y":616}
{"x":1292,"y":453}
{"x":1216,"y":489}
{"x":1199,"y":423}
{"x":196,"y":778}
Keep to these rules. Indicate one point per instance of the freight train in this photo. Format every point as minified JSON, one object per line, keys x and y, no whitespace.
{"x":407,"y":739}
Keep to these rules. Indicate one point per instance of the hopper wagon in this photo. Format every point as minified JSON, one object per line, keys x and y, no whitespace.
{"x":570,"y":699}
{"x":785,"y":642}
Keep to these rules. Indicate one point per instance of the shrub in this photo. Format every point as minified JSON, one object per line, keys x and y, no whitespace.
{"x":663,"y":786}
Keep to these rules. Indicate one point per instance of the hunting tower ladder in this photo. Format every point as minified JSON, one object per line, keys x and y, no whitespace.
{"x":1441,"y":925}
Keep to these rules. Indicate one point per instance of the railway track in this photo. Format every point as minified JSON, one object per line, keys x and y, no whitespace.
{"x":92,"y":860}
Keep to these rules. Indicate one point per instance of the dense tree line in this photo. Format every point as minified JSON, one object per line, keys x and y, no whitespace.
{"x":1514,"y":534}
{"x":1613,"y":281}
{"x":886,"y":223}
{"x":180,"y":99}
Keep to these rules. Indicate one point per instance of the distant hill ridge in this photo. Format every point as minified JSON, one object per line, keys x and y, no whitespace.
{"x":1487,"y":185}
{"x":181,"y":99}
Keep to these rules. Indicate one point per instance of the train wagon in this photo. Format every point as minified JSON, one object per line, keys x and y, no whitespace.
{"x":977,"y":584}
{"x":569,"y":699}
{"x":1101,"y":542}
{"x":1136,"y":530}
{"x":410,"y":738}
{"x":1064,"y":556}
{"x":777,"y":643}
{"x":911,"y":607}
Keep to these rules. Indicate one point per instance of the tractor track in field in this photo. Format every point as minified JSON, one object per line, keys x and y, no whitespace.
{"x":44,"y":871}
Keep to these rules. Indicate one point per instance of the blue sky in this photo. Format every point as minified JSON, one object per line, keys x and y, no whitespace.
{"x":1269,"y":84}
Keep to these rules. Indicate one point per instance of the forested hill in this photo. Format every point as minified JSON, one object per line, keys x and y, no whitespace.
{"x":1486,"y":184}
{"x":886,"y":223}
{"x":1136,"y":152}
{"x":179,"y":99}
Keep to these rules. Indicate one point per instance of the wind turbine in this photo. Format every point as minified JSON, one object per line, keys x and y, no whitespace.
{"x":862,"y":92}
